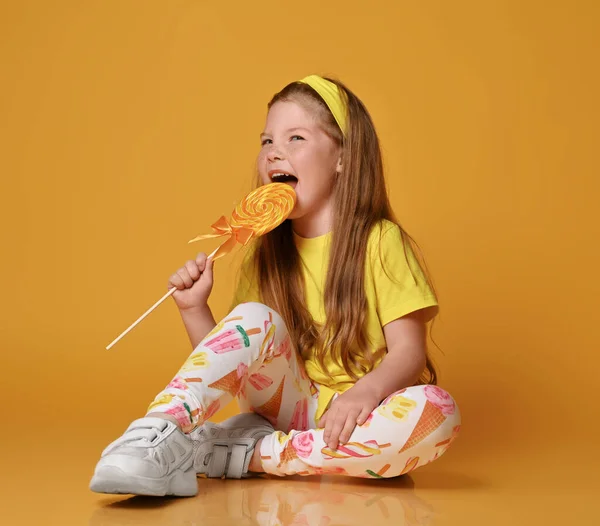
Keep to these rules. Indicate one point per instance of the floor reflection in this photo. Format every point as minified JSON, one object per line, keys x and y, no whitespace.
{"x":292,"y":501}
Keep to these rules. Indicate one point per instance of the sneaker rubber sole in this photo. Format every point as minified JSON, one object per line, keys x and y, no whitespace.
{"x":110,"y":479}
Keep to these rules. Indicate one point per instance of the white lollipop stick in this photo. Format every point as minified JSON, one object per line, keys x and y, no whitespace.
{"x":172,"y":291}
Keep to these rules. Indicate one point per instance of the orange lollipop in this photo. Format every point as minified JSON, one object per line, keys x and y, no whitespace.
{"x":259,"y":212}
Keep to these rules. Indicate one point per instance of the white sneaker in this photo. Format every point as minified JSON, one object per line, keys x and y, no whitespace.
{"x":225,"y":449}
{"x":153,"y":457}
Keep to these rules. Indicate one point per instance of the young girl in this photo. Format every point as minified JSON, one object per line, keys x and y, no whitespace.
{"x":325,"y":344}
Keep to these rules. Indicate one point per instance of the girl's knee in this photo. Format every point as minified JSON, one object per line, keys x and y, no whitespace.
{"x":434,"y":403}
{"x":255,"y":315}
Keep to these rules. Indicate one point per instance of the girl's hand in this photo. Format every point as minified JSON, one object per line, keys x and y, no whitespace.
{"x":194,"y":282}
{"x":345,"y":412}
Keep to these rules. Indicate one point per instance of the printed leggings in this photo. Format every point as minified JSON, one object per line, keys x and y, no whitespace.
{"x":249,"y":355}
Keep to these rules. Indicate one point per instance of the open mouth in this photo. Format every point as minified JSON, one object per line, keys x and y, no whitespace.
{"x":282,"y":177}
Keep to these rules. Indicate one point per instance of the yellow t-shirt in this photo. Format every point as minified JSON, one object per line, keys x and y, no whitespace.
{"x":387,"y":299}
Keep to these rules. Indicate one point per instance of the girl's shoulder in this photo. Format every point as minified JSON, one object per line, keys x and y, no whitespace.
{"x":385,"y":234}
{"x":383,"y":227}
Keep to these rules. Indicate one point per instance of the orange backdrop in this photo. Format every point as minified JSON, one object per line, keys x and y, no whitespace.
{"x":129,"y":127}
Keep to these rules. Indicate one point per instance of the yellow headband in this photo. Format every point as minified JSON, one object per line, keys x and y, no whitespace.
{"x":332,"y":96}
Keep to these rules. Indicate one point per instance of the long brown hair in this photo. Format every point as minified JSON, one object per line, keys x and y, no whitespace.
{"x":360,"y":193}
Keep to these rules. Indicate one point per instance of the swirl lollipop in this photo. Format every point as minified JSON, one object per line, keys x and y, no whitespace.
{"x":259,"y":212}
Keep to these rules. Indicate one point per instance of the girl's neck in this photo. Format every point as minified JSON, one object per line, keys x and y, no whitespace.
{"x":314,"y":225}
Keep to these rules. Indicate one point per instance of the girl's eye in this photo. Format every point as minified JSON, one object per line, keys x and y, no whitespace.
{"x":268,"y":141}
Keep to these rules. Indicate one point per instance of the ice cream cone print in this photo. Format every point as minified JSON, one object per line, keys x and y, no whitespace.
{"x":287,"y":455}
{"x":270,"y":410}
{"x":431,"y":418}
{"x":230,"y":383}
{"x":230,"y":340}
{"x":354,"y":449}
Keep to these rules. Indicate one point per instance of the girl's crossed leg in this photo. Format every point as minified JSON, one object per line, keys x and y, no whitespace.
{"x":249,"y":355}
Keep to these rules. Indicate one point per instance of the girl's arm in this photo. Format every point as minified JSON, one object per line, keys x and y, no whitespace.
{"x":198,"y":323}
{"x":406,"y":340}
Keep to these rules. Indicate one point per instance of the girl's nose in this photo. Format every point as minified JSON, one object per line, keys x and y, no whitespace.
{"x":274,"y":155}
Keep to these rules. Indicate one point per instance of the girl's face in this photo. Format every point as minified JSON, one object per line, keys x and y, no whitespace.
{"x":294,"y":144}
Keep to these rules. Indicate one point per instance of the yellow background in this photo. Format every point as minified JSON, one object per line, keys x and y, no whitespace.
{"x":128,"y":127}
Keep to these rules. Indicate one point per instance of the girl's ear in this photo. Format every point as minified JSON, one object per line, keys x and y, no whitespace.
{"x":338,"y":168}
